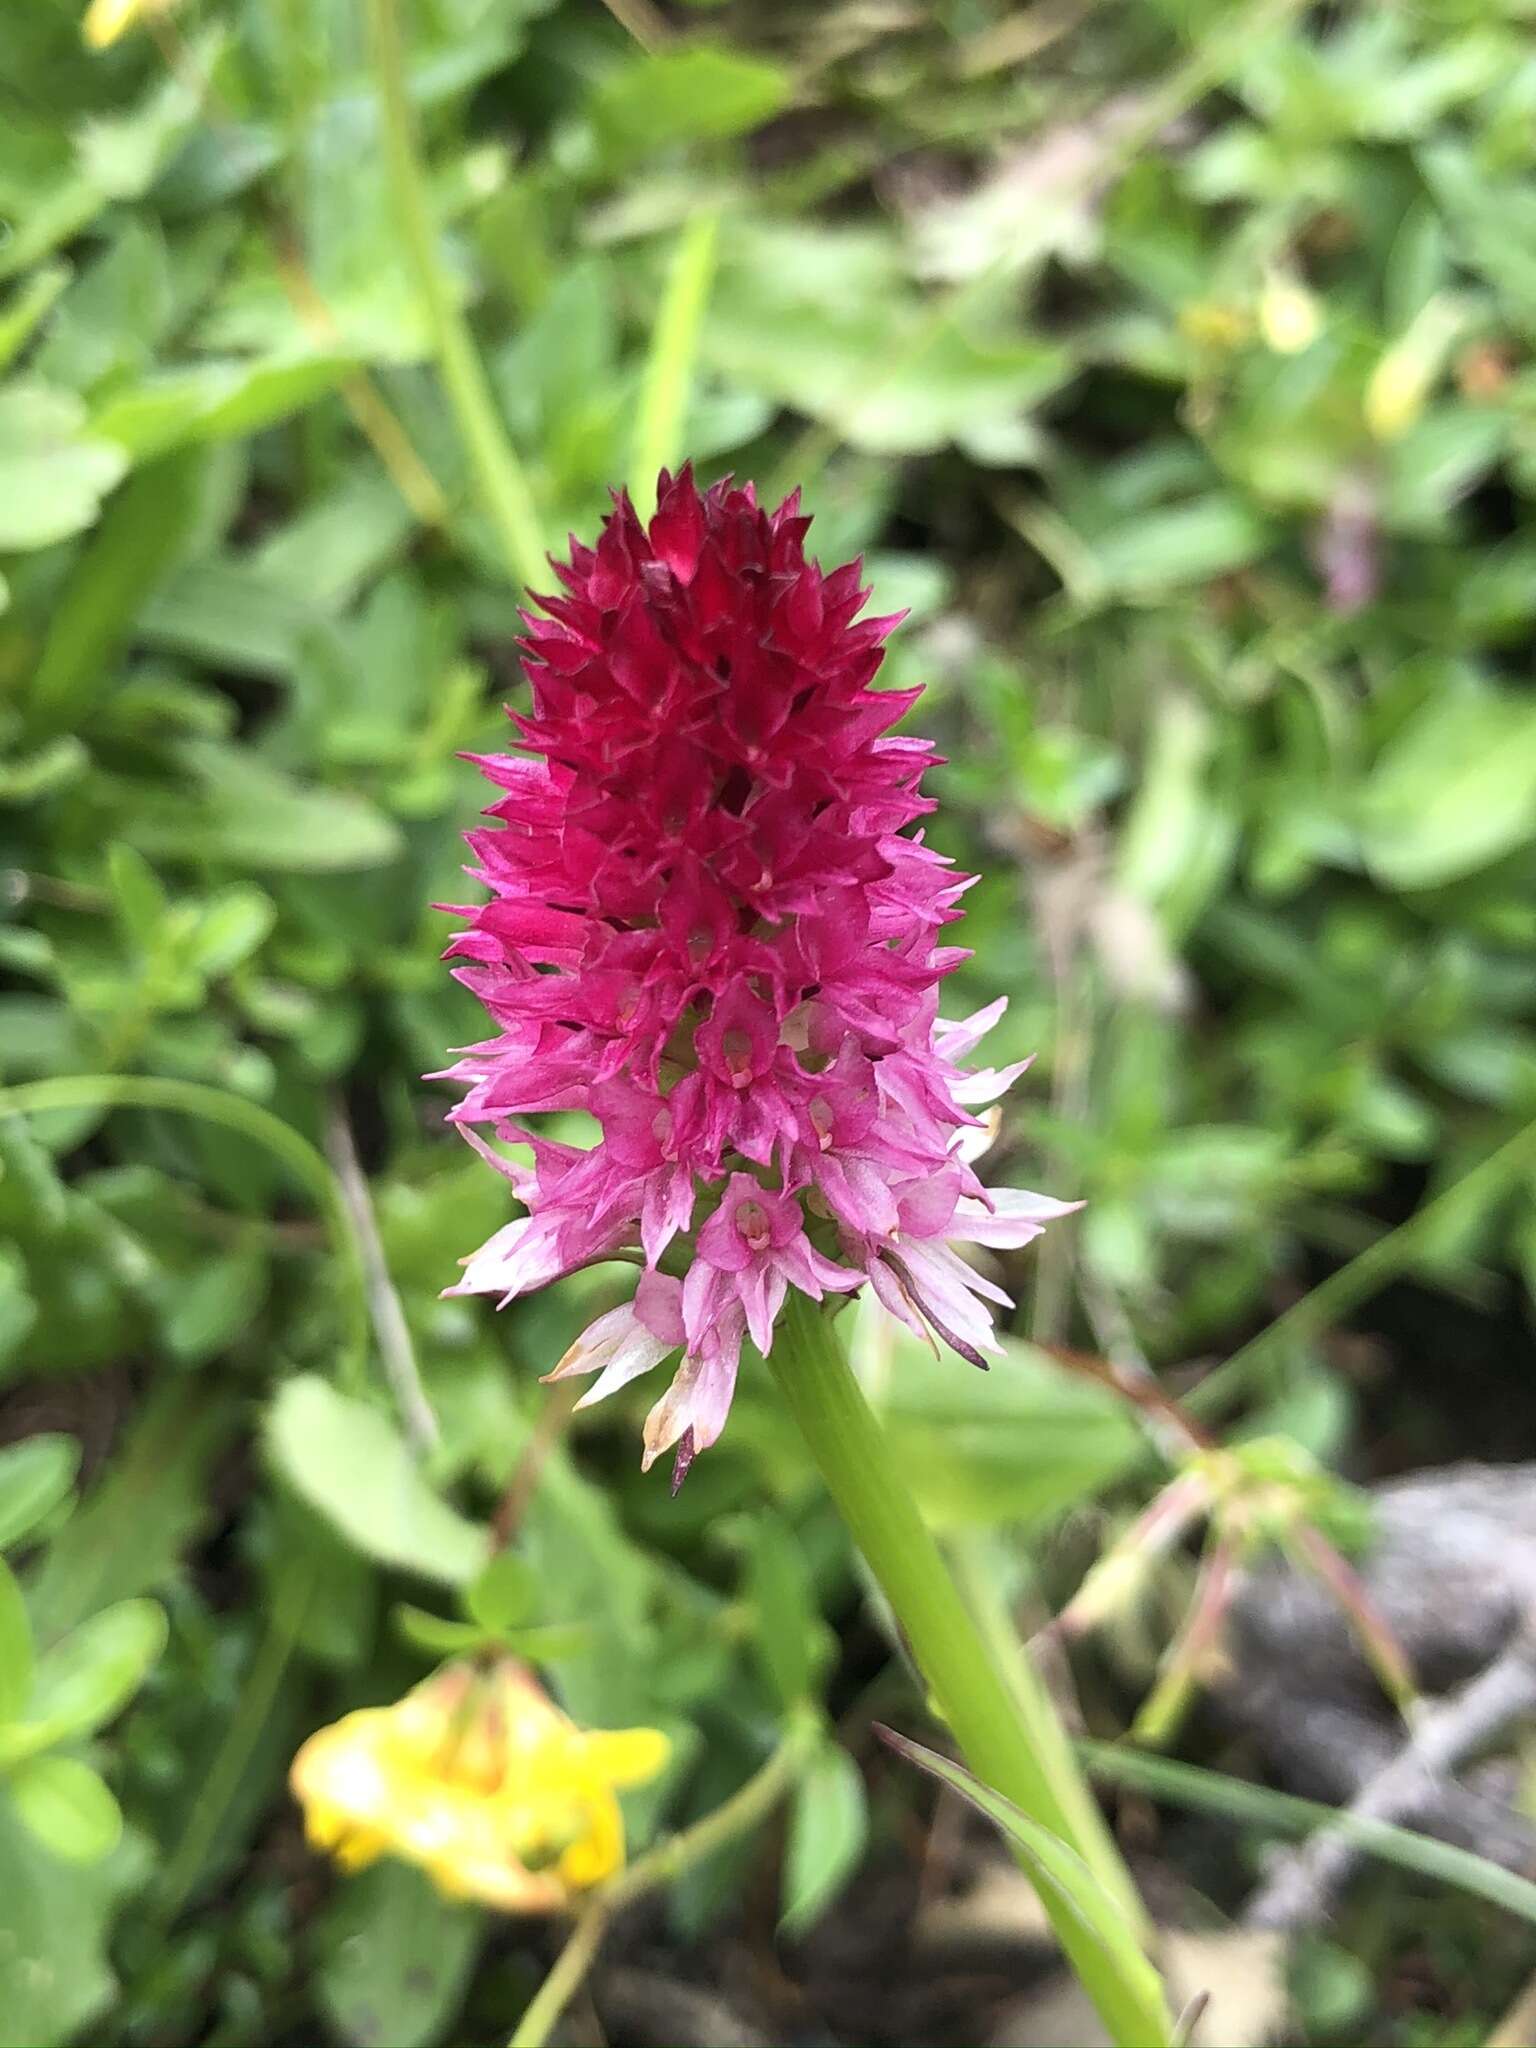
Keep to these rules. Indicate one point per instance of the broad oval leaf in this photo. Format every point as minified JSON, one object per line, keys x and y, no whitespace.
{"x":53,"y":472}
{"x":35,"y":1476}
{"x":82,"y":1681}
{"x":395,"y":1957}
{"x":68,"y":1807}
{"x":502,"y":1594}
{"x":1454,"y":790}
{"x":828,"y":1827}
{"x":349,"y":1462}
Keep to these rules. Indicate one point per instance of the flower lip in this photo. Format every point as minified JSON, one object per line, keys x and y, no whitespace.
{"x":751,"y":1219}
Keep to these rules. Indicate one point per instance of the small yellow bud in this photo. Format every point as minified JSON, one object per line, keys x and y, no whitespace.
{"x":1402,"y":380}
{"x":1394,"y":398}
{"x":1290,"y":317}
{"x":106,"y":20}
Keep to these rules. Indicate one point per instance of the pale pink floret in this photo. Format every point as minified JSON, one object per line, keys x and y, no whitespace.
{"x":753,"y":1250}
{"x":712,"y":925}
{"x":627,"y":1341}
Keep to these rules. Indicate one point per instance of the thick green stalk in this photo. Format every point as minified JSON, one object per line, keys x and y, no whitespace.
{"x":1042,"y":1728}
{"x":502,"y":482}
{"x":852,"y":1453}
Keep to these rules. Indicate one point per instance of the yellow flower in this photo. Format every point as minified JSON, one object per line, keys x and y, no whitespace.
{"x":106,"y":20}
{"x":1395,"y":395}
{"x":1403,"y":378}
{"x":1290,"y":318}
{"x":480,"y":1779}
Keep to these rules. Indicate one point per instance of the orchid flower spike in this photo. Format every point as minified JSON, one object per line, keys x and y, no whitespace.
{"x":713,"y":926}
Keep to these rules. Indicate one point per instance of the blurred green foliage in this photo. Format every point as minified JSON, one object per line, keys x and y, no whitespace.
{"x":1173,"y":365}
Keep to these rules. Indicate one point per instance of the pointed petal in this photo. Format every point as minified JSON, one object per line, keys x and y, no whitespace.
{"x":953,"y":1041}
{"x":1015,"y":1218}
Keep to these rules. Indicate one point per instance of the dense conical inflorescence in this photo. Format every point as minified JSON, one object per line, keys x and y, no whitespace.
{"x":712,"y":926}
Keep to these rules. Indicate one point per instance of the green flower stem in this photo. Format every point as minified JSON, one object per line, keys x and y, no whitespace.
{"x":744,"y":1810}
{"x":499,"y":474}
{"x":999,"y":1743}
{"x":1041,"y":1724}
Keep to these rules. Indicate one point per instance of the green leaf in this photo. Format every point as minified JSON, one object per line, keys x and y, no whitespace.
{"x":16,"y":1654}
{"x":156,"y":1485}
{"x":28,"y":778}
{"x":82,"y":1681}
{"x":321,"y":1587}
{"x":145,"y":529}
{"x":680,"y":95}
{"x":18,"y":1309}
{"x":786,"y":1626}
{"x":395,"y":1959}
{"x":502,"y":1594}
{"x":55,"y":1977}
{"x":1019,"y":1443}
{"x":124,"y":153}
{"x":235,"y":807}
{"x":1064,"y":1882}
{"x":214,"y":401}
{"x":348,"y":1461}
{"x":1438,"y":463}
{"x":35,"y":1475}
{"x":550,"y":1642}
{"x":1171,"y":547}
{"x":68,"y":1807}
{"x":230,"y":927}
{"x":211,"y":1308}
{"x":1453,"y":790}
{"x":437,"y":1634}
{"x":825,"y":320}
{"x":27,"y":307}
{"x":828,"y":1827}
{"x":229,"y":615}
{"x":54,"y":473}
{"x":140,"y":898}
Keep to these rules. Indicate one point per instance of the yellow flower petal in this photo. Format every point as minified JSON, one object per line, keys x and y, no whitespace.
{"x":627,"y":1756}
{"x":106,"y":20}
{"x":600,"y":1851}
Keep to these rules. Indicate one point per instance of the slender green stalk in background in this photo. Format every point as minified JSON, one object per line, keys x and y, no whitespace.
{"x":1203,"y":1791}
{"x":674,"y":349}
{"x":218,"y":1106}
{"x":745,"y":1809}
{"x":502,"y":481}
{"x":220,"y":1783}
{"x":998,"y":1742}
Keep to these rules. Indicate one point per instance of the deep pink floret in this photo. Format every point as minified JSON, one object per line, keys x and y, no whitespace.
{"x":712,"y":925}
